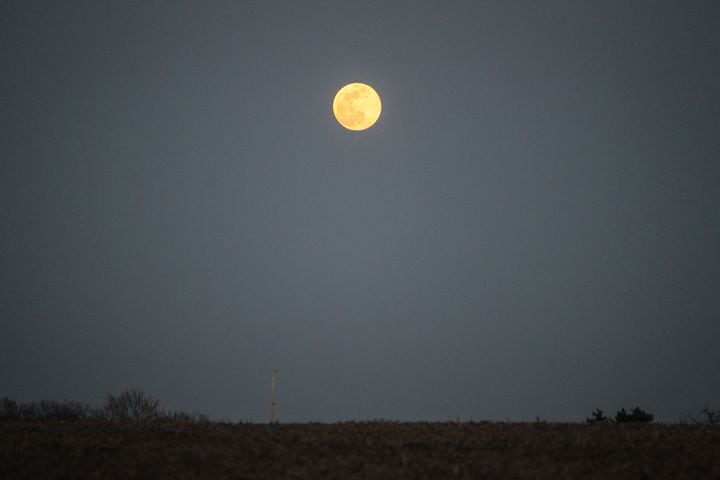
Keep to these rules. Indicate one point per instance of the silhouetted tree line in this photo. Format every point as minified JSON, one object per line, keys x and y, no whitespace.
{"x":636,"y":415}
{"x":705,"y":416}
{"x":132,"y":405}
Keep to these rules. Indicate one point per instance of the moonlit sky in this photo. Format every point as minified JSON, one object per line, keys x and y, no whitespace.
{"x":531,"y":228}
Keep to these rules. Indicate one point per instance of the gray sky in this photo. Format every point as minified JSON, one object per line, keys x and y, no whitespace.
{"x":531,"y":228}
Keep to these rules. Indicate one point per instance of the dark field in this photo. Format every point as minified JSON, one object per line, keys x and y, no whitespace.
{"x":378,"y":450}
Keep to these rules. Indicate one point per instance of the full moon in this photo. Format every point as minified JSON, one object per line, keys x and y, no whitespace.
{"x":357,"y":106}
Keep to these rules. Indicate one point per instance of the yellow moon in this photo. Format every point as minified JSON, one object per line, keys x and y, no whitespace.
{"x":357,"y":106}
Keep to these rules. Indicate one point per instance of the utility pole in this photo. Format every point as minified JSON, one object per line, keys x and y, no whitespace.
{"x":272,"y":397}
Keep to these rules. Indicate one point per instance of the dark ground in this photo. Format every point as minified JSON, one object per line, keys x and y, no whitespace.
{"x":378,"y":450}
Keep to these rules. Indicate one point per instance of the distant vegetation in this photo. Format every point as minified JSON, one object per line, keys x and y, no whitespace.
{"x":598,"y":417}
{"x":132,"y":405}
{"x":636,"y":415}
{"x":706,"y":416}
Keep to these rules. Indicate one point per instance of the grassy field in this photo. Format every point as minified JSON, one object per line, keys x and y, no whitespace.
{"x":377,"y":450}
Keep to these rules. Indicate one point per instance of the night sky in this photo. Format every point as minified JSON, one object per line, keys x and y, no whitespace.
{"x":532,"y":228}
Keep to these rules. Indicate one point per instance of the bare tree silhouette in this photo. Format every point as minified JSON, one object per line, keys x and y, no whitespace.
{"x":132,"y":405}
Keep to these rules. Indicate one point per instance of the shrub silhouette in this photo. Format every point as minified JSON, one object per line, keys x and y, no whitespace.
{"x":131,"y":406}
{"x":706,"y":416}
{"x":598,"y":417}
{"x":9,"y":409}
{"x":184,"y":416}
{"x":51,"y":410}
{"x":637,"y":415}
{"x":45,"y":411}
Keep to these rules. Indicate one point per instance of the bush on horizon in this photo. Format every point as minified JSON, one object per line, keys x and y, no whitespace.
{"x":132,"y":405}
{"x":637,"y":415}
